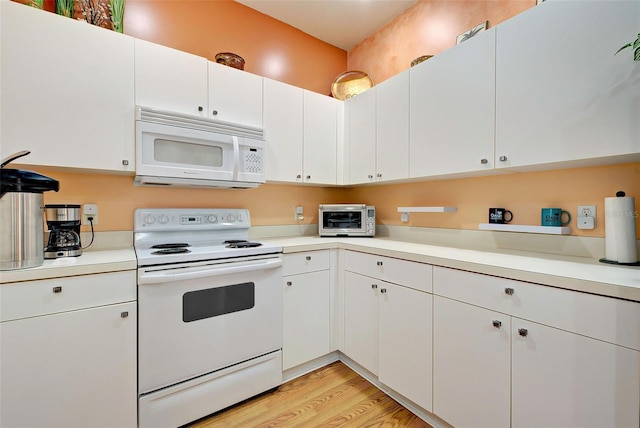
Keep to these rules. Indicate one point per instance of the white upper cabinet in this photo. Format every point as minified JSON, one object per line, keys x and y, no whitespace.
{"x":453,"y":110}
{"x":320,"y":138}
{"x":235,"y":95}
{"x":392,"y":128}
{"x":67,"y":91}
{"x":362,"y":137}
{"x":563,"y":98}
{"x":170,"y":79}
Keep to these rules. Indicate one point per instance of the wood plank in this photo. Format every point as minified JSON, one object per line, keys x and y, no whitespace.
{"x":332,"y":396}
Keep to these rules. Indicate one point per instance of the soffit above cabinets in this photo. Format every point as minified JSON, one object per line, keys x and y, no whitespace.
{"x":341,"y":23}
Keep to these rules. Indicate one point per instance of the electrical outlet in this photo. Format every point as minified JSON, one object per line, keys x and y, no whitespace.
{"x":299,"y":212}
{"x":90,"y":210}
{"x":586,"y":217}
{"x":404,"y":217}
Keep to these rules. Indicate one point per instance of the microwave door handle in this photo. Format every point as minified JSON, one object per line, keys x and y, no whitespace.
{"x":159,"y":277}
{"x":236,"y":157}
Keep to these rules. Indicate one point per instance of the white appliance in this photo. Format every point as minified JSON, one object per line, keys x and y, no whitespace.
{"x":209,"y":313}
{"x":174,"y":149}
{"x":347,"y":220}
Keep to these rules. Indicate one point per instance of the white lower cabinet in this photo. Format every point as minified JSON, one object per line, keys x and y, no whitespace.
{"x":388,"y":327}
{"x":574,"y":361}
{"x":69,"y":367}
{"x":307,"y":307}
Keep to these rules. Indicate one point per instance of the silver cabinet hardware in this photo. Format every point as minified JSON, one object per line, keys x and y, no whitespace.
{"x":523,"y":332}
{"x":200,"y":108}
{"x":215,"y":112}
{"x":124,"y":314}
{"x":379,"y":175}
{"x":289,"y":283}
{"x":484,"y":161}
{"x":379,"y":263}
{"x":308,"y":257}
{"x":503,"y":158}
{"x":57,"y":289}
{"x":509,"y":291}
{"x":497,"y":324}
{"x":383,"y":290}
{"x":298,"y":176}
{"x":308,"y":177}
{"x":125,"y":162}
{"x":370,"y":176}
{"x":374,"y":286}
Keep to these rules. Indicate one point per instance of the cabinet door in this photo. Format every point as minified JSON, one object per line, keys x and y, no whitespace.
{"x":169,"y":79}
{"x":361,"y":320}
{"x":320,"y":139}
{"x":306,"y":318}
{"x":73,"y":369}
{"x":283,"y":124}
{"x":453,"y":109}
{"x":562,"y":101}
{"x":566,"y":380}
{"x":234,"y":95}
{"x":471,"y":365}
{"x":404,"y":342}
{"x":362,"y":137}
{"x":67,"y":91}
{"x":392,"y":128}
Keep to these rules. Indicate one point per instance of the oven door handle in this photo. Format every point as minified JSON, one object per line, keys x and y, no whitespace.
{"x":157,"y":277}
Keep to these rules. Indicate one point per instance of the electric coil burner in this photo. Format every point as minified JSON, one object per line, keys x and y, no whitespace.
{"x":209,"y":313}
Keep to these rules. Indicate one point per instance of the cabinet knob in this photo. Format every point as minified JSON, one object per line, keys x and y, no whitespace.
{"x":124,"y":314}
{"x":484,"y":161}
{"x":289,"y":283}
{"x":308,"y":257}
{"x":308,"y":177}
{"x":125,"y":162}
{"x":497,"y":324}
{"x":379,"y":175}
{"x":298,"y":176}
{"x":374,"y":286}
{"x":509,"y":291}
{"x":379,"y":263}
{"x":214,"y":112}
{"x":200,"y":108}
{"x":383,"y":290}
{"x":523,"y":332}
{"x":57,"y":289}
{"x":503,"y":158}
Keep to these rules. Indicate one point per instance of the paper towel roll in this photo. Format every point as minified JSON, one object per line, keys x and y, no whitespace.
{"x":620,"y":229}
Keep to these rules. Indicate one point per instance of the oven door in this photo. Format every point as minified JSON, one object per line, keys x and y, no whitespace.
{"x":196,"y":319}
{"x":342,"y":222}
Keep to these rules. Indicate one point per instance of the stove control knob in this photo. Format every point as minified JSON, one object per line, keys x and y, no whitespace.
{"x":149,"y":219}
{"x":239,"y":217}
{"x":212,"y":218}
{"x":163,"y":219}
{"x":231,"y":218}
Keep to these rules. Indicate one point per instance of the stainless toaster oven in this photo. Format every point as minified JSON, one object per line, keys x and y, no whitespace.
{"x":347,"y":220}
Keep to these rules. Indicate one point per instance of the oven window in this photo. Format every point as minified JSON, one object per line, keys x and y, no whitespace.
{"x":342,"y":220}
{"x":180,"y":152}
{"x":201,"y":304}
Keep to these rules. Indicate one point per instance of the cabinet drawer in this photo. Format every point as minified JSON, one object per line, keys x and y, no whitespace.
{"x":306,"y":262}
{"x":410,"y":274}
{"x":605,"y":318}
{"x":49,"y":296}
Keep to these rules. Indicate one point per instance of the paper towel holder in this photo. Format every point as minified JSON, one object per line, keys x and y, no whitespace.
{"x":619,"y":194}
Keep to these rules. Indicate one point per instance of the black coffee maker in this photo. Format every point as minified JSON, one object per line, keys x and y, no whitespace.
{"x":63,"y":222}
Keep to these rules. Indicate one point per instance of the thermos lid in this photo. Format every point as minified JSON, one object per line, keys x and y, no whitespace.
{"x":24,"y":181}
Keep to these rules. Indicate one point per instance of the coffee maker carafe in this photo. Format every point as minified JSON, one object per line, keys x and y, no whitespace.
{"x":63,"y":222}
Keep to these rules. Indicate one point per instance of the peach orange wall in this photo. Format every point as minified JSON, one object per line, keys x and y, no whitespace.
{"x":270,"y":48}
{"x":522,"y":193}
{"x":427,"y":28}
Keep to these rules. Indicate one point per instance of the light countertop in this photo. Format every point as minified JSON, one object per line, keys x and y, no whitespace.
{"x":573,"y":273}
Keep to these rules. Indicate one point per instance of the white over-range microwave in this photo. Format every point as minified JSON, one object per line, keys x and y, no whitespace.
{"x":346,"y":220}
{"x":174,"y":149}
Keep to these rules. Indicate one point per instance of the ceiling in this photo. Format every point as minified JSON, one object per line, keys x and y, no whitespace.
{"x":341,"y":23}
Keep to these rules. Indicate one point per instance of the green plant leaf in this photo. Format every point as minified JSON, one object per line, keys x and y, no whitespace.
{"x":628,"y":45}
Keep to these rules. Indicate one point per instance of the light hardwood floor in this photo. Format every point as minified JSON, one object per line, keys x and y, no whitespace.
{"x":332,"y":396}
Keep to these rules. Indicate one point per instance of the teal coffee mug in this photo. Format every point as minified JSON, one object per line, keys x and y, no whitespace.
{"x":553,"y":217}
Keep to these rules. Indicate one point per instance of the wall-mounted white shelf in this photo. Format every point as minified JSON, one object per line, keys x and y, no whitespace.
{"x":549,"y":230}
{"x":427,"y":209}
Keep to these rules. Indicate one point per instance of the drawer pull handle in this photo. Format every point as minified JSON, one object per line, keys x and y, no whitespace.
{"x":57,"y":289}
{"x":289,"y":283}
{"x":484,"y":161}
{"x":523,"y":332}
{"x":497,"y":324}
{"x":503,"y":158}
{"x":509,"y":291}
{"x":383,"y":290}
{"x":124,"y":314}
{"x":379,"y":263}
{"x":308,"y":257}
{"x":374,"y":286}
